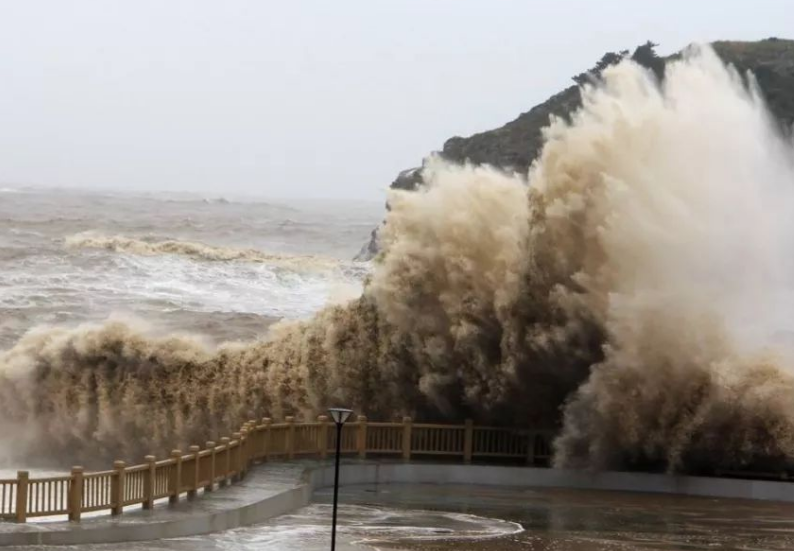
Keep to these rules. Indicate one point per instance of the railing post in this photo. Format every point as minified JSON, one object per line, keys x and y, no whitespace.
{"x":407,"y":422}
{"x":245,"y":434}
{"x":251,"y":444}
{"x":236,"y":458}
{"x":117,"y":488}
{"x":194,"y":479}
{"x":530,"y":448}
{"x":266,"y":436}
{"x":290,"y":437}
{"x":243,"y":452}
{"x":322,"y":436}
{"x":468,"y":441}
{"x":175,"y":479}
{"x":22,"y":496}
{"x":75,"y":505}
{"x":361,"y":442}
{"x":211,"y":446}
{"x":149,"y":482}
{"x":227,"y":461}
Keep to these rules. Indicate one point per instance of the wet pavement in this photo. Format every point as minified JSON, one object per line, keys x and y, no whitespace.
{"x":578,"y":520}
{"x":477,"y":518}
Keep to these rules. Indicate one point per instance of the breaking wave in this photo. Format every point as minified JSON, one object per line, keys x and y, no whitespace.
{"x":198,"y":251}
{"x":634,"y":290}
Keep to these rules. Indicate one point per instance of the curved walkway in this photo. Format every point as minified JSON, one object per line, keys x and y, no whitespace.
{"x":267,"y":491}
{"x":277,"y":488}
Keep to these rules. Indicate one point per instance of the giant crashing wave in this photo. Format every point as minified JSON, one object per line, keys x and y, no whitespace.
{"x":630,"y":291}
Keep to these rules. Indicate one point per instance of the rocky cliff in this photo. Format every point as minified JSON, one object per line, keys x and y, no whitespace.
{"x":515,"y":145}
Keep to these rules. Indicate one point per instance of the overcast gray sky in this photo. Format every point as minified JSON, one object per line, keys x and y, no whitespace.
{"x":300,"y":98}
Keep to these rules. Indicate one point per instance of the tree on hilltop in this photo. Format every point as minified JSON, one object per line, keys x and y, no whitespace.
{"x":644,"y":55}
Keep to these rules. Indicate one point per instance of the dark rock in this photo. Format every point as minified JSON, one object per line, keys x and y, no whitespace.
{"x":370,"y":248}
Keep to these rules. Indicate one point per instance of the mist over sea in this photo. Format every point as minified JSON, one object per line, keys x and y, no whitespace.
{"x":68,"y":257}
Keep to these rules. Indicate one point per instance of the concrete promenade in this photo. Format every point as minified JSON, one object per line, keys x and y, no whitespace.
{"x":273,"y":489}
{"x":267,"y":491}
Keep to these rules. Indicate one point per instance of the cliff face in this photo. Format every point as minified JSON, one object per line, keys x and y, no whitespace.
{"x":515,"y":145}
{"x":772,"y":63}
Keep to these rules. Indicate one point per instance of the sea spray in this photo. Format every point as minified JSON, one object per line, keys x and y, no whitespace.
{"x":686,"y":188}
{"x":633,"y":290}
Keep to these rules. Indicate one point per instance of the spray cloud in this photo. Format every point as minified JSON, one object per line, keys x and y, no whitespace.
{"x":633,"y":290}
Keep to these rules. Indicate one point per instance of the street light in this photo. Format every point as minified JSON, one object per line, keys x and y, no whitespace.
{"x":339,"y":415}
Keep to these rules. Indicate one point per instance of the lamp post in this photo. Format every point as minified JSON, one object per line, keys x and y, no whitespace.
{"x":339,"y":415}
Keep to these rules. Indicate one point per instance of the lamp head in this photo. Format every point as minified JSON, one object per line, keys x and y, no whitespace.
{"x":340,"y":415}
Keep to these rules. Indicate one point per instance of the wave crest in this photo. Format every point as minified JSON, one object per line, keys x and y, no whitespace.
{"x":200,"y":251}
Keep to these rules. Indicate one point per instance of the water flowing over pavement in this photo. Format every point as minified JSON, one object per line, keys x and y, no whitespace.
{"x":580,"y":520}
{"x":412,"y":517}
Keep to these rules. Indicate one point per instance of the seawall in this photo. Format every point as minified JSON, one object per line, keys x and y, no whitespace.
{"x":486,"y":475}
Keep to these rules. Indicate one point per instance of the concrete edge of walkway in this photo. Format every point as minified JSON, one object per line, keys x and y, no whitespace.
{"x":202,"y":522}
{"x":321,"y":476}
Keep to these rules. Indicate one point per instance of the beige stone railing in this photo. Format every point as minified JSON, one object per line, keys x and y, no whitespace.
{"x":219,"y":464}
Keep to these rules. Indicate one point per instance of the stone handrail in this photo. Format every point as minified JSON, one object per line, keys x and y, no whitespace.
{"x":224,"y":462}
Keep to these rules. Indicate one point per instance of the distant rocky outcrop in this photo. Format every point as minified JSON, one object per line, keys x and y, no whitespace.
{"x":515,"y":145}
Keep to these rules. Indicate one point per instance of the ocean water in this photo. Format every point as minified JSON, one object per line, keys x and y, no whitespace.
{"x":220,"y":267}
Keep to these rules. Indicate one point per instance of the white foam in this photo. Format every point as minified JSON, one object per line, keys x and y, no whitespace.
{"x":102,"y":283}
{"x":309,"y":529}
